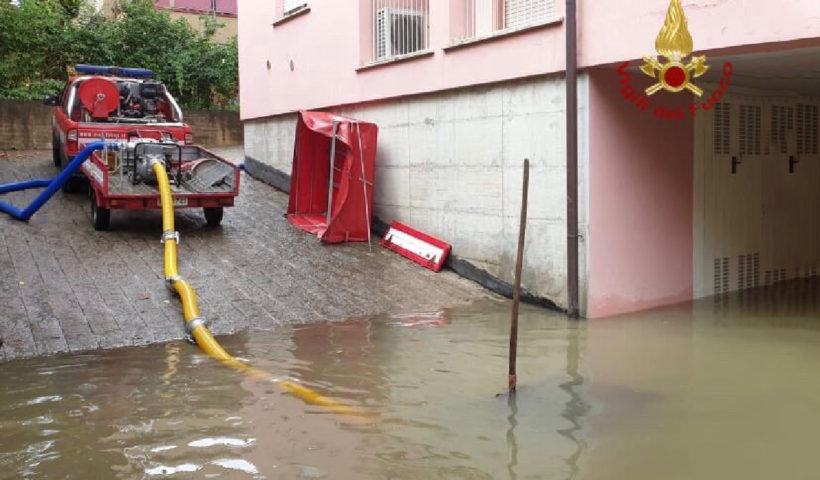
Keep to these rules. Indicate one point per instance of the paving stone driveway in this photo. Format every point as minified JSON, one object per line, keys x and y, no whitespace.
{"x":65,"y":287}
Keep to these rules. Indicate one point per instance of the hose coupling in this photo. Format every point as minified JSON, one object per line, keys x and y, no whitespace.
{"x":169,"y":235}
{"x":195,"y":322}
{"x":170,"y":281}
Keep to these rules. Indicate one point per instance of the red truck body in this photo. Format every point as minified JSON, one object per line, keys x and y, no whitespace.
{"x":72,"y":128}
{"x":129,"y":107}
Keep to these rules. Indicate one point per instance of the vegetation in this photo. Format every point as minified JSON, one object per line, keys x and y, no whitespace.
{"x":41,"y":40}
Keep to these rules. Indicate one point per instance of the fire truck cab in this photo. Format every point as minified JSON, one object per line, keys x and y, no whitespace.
{"x":113,"y":103}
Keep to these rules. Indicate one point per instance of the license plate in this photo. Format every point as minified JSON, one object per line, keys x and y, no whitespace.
{"x":178,"y":202}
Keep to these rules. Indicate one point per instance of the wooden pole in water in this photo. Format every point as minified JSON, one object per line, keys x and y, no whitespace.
{"x":512,"y":379}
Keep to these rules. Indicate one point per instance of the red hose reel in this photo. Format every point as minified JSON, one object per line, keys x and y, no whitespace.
{"x":99,"y":96}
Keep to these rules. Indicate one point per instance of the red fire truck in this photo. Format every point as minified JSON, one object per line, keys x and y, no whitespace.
{"x":126,"y":105}
{"x":109,"y":103}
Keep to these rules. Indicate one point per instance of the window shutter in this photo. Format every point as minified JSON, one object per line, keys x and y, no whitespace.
{"x":522,"y":13}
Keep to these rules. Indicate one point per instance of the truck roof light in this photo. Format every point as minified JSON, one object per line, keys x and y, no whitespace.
{"x":109,"y":70}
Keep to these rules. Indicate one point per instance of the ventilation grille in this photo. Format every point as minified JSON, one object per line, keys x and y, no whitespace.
{"x":782,"y":122}
{"x":774,"y":276}
{"x":721,"y":273}
{"x":748,"y":270}
{"x":749,"y":130}
{"x":721,"y":129}
{"x":807,"y":125}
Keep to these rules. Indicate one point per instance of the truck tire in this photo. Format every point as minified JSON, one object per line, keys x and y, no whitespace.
{"x":55,"y":153}
{"x":75,"y":183}
{"x":213,"y":215}
{"x":100,"y":216}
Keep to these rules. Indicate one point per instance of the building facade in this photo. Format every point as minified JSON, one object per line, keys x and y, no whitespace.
{"x":224,"y":11}
{"x":676,"y":201}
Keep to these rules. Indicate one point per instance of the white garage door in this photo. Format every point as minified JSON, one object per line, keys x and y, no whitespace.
{"x":756,"y":205}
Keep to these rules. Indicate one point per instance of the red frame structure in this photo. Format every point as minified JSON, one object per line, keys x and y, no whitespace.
{"x":424,"y":262}
{"x":346,"y":188}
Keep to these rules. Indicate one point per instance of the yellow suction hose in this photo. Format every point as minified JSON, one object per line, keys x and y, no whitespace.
{"x":195,"y":324}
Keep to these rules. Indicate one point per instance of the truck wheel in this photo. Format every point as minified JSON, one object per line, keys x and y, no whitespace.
{"x":74,"y":184}
{"x":213,"y":215}
{"x":100,"y":217}
{"x":55,"y":153}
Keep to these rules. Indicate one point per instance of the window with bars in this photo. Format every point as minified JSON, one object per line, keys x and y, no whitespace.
{"x":398,"y":27}
{"x":482,"y":18}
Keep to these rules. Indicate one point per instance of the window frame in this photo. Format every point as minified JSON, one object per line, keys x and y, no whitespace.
{"x":370,"y":34}
{"x":283,"y":15}
{"x":464,"y":41}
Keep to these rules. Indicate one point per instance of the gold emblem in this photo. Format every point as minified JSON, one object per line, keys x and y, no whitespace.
{"x":675,"y":43}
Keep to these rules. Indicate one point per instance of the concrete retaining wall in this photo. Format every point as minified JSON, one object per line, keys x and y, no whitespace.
{"x":451,"y":164}
{"x":27,"y":125}
{"x":24,"y":125}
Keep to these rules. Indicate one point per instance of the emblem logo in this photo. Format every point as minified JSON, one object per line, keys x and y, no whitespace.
{"x":675,"y":43}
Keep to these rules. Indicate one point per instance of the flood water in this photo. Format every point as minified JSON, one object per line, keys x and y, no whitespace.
{"x":719,"y":390}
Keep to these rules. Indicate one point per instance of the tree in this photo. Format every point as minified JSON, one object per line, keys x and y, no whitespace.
{"x":42,"y":39}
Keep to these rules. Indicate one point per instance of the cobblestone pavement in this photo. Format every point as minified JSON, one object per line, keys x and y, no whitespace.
{"x":65,"y":287}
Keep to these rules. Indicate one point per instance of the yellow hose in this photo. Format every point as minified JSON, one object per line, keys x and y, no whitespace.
{"x":190,"y":310}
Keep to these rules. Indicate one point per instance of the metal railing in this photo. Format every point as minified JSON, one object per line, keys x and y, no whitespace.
{"x":485,"y":17}
{"x":398,"y":27}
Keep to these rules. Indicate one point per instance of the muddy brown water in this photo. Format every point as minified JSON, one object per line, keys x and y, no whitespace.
{"x":707,"y":390}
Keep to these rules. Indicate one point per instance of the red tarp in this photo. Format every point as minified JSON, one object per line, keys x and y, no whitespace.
{"x":353,"y":172}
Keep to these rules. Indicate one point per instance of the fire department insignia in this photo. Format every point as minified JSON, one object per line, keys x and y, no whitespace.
{"x":675,"y":43}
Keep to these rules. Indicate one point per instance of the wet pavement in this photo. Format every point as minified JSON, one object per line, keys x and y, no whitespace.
{"x":710,"y":390}
{"x":65,"y":287}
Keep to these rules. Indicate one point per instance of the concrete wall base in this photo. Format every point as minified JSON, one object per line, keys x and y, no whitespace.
{"x":281,"y":181}
{"x":450,"y":163}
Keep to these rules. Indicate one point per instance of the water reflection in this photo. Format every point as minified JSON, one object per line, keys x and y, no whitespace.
{"x":677,"y":393}
{"x":512,"y":443}
{"x":431,"y":378}
{"x":576,"y":407}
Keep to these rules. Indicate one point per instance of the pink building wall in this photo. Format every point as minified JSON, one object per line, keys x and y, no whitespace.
{"x":640,"y":201}
{"x":626,"y":29}
{"x":325,"y":47}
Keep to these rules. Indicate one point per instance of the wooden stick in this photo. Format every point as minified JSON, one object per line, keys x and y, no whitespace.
{"x":512,"y":379}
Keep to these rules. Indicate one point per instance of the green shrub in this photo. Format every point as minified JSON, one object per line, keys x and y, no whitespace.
{"x":40,"y":40}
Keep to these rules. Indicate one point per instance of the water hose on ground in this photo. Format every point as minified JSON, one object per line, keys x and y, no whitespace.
{"x":195,"y":323}
{"x":51,"y":185}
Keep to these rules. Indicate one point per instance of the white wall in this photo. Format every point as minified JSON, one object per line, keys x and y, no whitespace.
{"x":450,"y":164}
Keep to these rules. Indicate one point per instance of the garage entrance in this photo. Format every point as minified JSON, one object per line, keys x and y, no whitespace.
{"x":756,"y":207}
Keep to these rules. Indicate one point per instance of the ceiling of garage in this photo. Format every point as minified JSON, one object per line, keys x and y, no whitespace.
{"x":793,"y":70}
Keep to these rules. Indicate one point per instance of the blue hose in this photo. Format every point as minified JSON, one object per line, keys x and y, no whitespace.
{"x":13,"y":187}
{"x":51,"y":185}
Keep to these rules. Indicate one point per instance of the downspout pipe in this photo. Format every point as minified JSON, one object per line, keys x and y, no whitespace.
{"x":51,"y":186}
{"x":572,"y":159}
